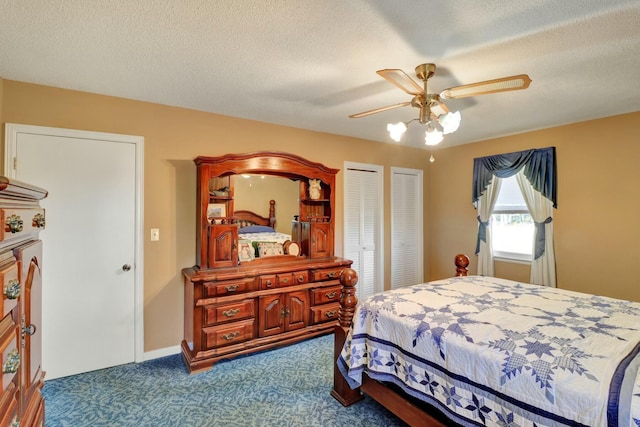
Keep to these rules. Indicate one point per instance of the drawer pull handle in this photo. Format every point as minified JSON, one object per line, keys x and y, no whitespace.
{"x":231,"y":288}
{"x":331,"y":314}
{"x":285,"y":280}
{"x":12,"y":289}
{"x":10,"y":366}
{"x":231,"y":313}
{"x":38,"y":221}
{"x":300,"y":279}
{"x":13,"y":224}
{"x":230,"y":336}
{"x":331,"y":275}
{"x":268,"y":283}
{"x":331,"y":295}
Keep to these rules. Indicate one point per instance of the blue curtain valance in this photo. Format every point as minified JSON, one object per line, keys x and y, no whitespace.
{"x":539,"y":168}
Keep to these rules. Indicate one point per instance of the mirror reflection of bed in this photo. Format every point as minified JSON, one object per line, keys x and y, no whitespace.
{"x":253,"y":192}
{"x":257,"y":235}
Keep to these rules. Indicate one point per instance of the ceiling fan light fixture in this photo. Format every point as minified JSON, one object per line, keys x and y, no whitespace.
{"x":433,"y":136}
{"x":396,"y":130}
{"x":450,"y":122}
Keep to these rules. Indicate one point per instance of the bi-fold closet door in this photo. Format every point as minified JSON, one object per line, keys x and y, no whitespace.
{"x":363,"y":225}
{"x":407,"y":239}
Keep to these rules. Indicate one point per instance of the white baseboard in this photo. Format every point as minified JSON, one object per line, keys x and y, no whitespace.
{"x":162,"y":352}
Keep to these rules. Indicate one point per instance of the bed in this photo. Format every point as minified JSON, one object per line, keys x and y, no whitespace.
{"x":257,"y":236}
{"x":474,"y":350}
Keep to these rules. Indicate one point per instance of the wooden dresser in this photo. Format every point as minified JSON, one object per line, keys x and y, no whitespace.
{"x":21,"y":402}
{"x":233,"y":308}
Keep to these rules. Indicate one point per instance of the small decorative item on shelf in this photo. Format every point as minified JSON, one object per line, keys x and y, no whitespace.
{"x":216,"y":212}
{"x":291,"y":248}
{"x":221,"y":192}
{"x":314,"y":189}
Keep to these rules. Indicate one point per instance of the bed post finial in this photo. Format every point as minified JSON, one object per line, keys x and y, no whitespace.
{"x":348,"y":301}
{"x":462,"y":262}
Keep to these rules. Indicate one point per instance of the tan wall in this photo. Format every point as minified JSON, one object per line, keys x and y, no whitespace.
{"x":173,"y":137}
{"x":597,"y":232}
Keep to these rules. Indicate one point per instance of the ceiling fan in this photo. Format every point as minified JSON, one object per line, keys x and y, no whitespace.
{"x":432,"y":108}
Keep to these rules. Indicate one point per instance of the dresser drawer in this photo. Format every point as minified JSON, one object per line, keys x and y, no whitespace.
{"x":268,"y":281}
{"x":10,"y":286}
{"x":325,"y":295}
{"x":300,"y":277}
{"x":325,"y":274}
{"x":324,"y":313}
{"x":285,"y":279}
{"x":18,"y":222}
{"x":230,"y":287}
{"x":232,"y":333}
{"x":214,"y":314}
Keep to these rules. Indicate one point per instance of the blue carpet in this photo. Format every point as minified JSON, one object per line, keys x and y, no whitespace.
{"x":288,"y":386}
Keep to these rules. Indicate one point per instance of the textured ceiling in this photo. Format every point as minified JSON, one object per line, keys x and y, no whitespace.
{"x":309,"y":63}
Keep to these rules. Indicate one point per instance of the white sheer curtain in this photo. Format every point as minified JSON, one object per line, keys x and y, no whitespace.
{"x":543,"y":265}
{"x":484,"y":205}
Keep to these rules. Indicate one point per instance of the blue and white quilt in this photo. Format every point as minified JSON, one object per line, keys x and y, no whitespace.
{"x":489,"y":351}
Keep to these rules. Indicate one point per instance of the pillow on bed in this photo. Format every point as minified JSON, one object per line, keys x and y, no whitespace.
{"x":266,"y":249}
{"x":256,"y":229}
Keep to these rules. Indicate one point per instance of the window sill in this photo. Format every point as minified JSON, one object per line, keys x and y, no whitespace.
{"x":515,"y":259}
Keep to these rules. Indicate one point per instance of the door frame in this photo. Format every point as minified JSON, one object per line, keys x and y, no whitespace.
{"x":10,"y":150}
{"x":379,"y":213}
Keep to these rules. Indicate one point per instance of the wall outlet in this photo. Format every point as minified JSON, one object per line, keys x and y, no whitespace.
{"x":155,"y":234}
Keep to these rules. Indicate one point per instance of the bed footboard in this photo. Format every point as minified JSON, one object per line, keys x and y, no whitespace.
{"x":348,"y":301}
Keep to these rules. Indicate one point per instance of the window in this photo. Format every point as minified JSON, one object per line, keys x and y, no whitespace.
{"x":511,"y":224}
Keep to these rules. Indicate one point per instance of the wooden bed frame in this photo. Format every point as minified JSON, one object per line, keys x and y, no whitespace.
{"x":247,"y":218}
{"x":408,"y":409}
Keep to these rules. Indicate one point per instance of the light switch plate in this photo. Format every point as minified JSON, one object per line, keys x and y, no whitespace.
{"x":155,"y":234}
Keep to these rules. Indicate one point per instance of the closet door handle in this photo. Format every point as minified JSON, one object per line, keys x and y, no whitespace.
{"x":126,"y":267}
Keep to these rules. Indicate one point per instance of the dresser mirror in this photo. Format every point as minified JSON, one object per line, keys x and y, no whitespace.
{"x":253,"y":192}
{"x":239,"y":194}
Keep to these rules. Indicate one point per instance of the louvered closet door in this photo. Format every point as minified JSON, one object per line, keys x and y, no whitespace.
{"x":406,"y":227}
{"x":363,"y":222}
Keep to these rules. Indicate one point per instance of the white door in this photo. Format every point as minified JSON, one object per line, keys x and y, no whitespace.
{"x":363,"y":213}
{"x":406,"y":227}
{"x":89,"y":243}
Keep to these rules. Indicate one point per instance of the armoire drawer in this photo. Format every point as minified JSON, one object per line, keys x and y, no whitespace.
{"x":9,"y":405}
{"x":10,"y":361}
{"x":10,"y":286}
{"x":325,"y":295}
{"x":215,"y":314}
{"x":18,"y":222}
{"x":233,"y":333}
{"x":325,"y":313}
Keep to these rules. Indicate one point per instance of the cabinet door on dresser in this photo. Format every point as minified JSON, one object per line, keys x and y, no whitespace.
{"x":31,"y":379}
{"x":321,"y":240}
{"x":223,"y":245}
{"x":283,"y":312}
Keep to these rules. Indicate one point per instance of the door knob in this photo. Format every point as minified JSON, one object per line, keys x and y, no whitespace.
{"x":126,"y":267}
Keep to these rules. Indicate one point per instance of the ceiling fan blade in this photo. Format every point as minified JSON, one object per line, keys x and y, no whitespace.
{"x":378,"y":110}
{"x":521,"y":81}
{"x":400,"y":79}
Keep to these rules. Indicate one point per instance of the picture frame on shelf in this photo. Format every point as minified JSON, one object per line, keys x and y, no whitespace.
{"x":215,"y":212}
{"x":246,"y":251}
